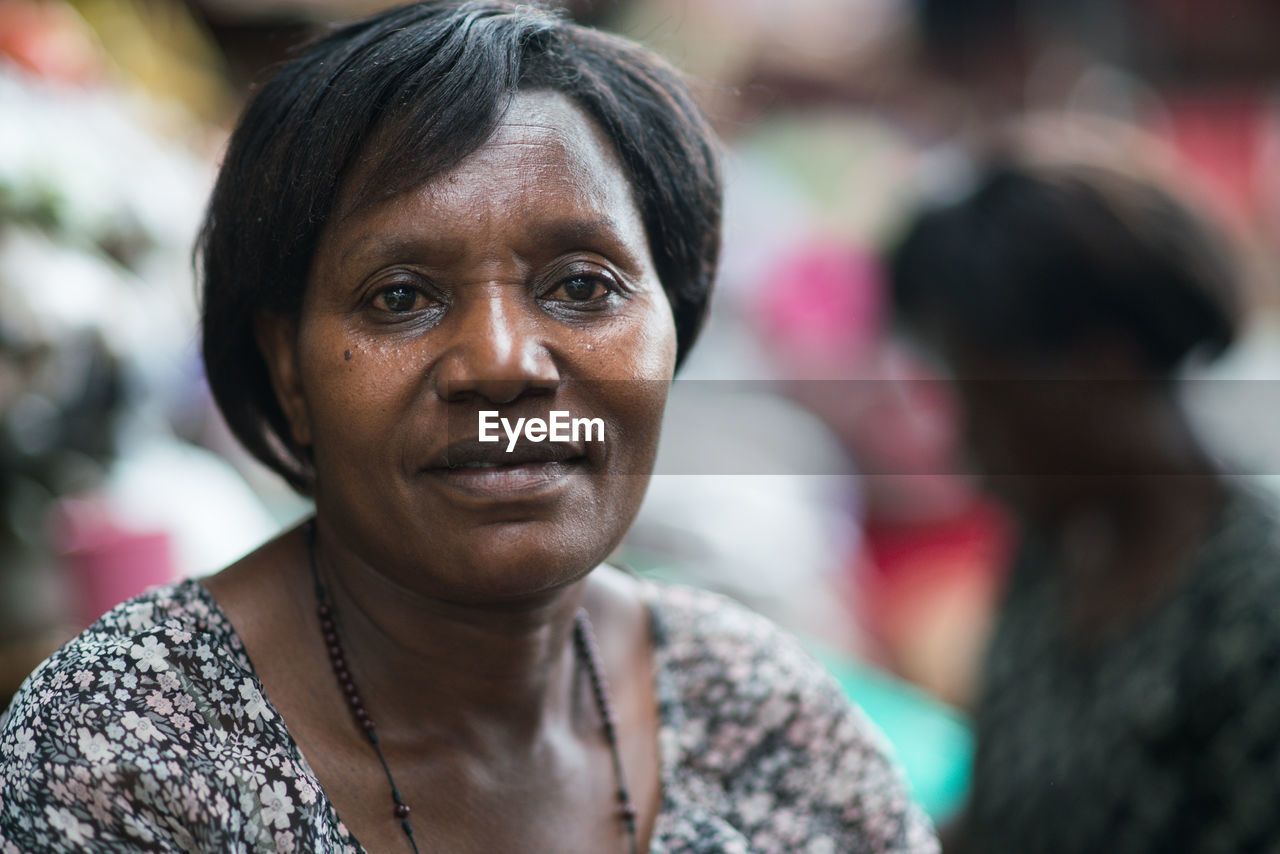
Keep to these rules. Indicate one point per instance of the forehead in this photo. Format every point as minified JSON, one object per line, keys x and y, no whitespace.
{"x":543,"y":128}
{"x":545,"y":150}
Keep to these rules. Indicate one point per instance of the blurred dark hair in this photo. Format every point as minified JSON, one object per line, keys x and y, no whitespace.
{"x":422,"y":87}
{"x":1039,"y":259}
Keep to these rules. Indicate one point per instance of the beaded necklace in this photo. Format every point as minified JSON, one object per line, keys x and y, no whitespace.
{"x":587,"y":654}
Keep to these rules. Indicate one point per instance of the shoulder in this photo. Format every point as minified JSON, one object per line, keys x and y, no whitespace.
{"x":1228,"y":643}
{"x":169,"y":640}
{"x":733,"y":659}
{"x":100,"y":741}
{"x":758,"y":732}
{"x":1242,"y":555}
{"x":162,"y":633}
{"x":1228,"y":606}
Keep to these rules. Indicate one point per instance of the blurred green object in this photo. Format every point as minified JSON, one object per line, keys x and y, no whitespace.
{"x":931,"y":740}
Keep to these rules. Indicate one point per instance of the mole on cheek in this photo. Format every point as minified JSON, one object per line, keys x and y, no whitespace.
{"x":346,"y":354}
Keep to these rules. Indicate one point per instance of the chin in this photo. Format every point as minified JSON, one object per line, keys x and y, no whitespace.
{"x":517,"y":563}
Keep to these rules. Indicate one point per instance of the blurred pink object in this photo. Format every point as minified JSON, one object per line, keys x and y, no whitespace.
{"x":819,"y":308}
{"x":107,"y":562}
{"x":1226,"y":137}
{"x":49,"y":39}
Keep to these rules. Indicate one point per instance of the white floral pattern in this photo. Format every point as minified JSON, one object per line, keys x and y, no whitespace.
{"x":152,"y":732}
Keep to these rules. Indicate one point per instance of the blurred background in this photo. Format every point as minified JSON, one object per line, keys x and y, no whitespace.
{"x":855,"y":522}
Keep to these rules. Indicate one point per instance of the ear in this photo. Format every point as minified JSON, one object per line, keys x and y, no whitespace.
{"x":277,"y":336}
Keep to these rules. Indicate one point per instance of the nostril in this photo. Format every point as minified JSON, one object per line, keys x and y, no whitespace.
{"x":496,"y":391}
{"x":501,"y":391}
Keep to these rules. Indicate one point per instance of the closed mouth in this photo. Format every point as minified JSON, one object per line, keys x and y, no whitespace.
{"x":488,"y":471}
{"x":474,"y":454}
{"x":511,"y":481}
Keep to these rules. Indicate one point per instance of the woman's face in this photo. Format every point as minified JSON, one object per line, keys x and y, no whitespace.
{"x":519,"y":283}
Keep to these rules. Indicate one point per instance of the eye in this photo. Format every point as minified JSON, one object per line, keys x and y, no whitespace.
{"x":580,"y":289}
{"x":397,"y":299}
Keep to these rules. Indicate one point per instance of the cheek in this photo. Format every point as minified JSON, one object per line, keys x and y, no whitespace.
{"x":639,"y":401}
{"x":642,"y":346}
{"x":629,"y":367}
{"x":351,"y":386}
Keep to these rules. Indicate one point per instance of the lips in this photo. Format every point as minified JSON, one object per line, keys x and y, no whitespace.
{"x":486,"y":470}
{"x":474,"y":454}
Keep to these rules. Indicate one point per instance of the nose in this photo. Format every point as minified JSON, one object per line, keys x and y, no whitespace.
{"x":496,"y":352}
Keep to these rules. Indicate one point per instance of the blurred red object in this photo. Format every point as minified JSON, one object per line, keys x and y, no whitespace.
{"x":929,"y":591}
{"x":1230,"y":138}
{"x":49,"y":39}
{"x":106,"y":561}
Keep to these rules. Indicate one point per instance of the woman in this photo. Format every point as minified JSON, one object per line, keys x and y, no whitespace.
{"x":1128,"y":696}
{"x":445,"y":214}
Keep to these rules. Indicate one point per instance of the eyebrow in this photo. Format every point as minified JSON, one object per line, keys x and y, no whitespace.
{"x":376,"y":243}
{"x":571,"y":231}
{"x":604,"y":231}
{"x":600,"y":231}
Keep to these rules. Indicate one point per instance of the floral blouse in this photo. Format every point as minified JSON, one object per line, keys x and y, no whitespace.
{"x":151,"y":732}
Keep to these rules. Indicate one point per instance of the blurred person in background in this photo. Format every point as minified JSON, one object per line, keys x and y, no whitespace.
{"x":444,"y":209}
{"x":103,"y":489}
{"x":1131,"y":692}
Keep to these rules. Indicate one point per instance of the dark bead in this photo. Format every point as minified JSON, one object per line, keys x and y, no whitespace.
{"x":335,"y":653}
{"x":326,"y":625}
{"x":331,"y":637}
{"x":361,"y":714}
{"x":323,"y":610}
{"x":348,"y":687}
{"x":367,"y":723}
{"x":402,"y":810}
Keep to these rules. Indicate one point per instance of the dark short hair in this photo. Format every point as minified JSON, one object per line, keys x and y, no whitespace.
{"x":425,"y":85}
{"x":1038,"y":258}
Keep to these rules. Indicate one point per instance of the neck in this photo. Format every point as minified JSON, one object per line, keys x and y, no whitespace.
{"x":482,"y":678}
{"x":1144,"y":460}
{"x":1135,"y":510}
{"x":1122,"y":543}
